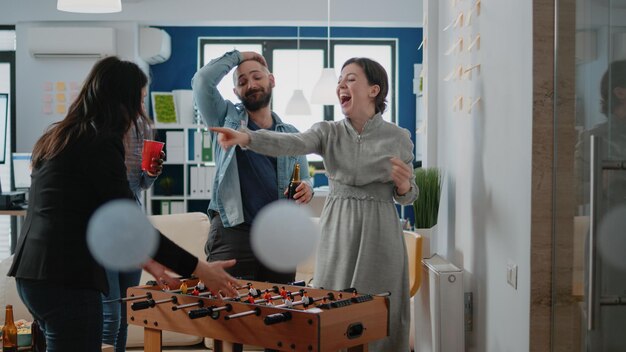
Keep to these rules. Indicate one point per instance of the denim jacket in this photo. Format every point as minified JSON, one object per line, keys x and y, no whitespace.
{"x":226,"y":198}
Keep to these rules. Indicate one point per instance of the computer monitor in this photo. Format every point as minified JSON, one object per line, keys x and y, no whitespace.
{"x":4,"y":116}
{"x":21,"y":170}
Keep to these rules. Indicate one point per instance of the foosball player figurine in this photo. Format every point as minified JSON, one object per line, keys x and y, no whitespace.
{"x":195,"y":291}
{"x":288,"y":300}
{"x":283,"y":292}
{"x":201,"y":286}
{"x":325,"y":304}
{"x":250,"y":298}
{"x":267,"y":296}
{"x":253,"y":291}
{"x":183,"y":288}
{"x":306,"y":300}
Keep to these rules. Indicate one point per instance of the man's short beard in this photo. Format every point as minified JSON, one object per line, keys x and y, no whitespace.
{"x":255,"y":105}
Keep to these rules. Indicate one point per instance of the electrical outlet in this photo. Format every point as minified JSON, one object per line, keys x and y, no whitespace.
{"x":469,"y":311}
{"x":511,"y":274}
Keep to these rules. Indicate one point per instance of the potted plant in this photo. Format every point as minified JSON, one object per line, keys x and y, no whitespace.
{"x":426,"y":206}
{"x":166,"y":183}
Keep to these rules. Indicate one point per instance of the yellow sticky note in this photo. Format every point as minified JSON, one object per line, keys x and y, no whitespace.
{"x":60,"y":97}
{"x":60,"y":108}
{"x":60,"y":86}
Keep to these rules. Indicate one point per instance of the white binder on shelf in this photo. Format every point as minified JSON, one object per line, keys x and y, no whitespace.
{"x":177,"y":207}
{"x":165,"y":207}
{"x":175,"y":147}
{"x":201,"y":182}
{"x":193,"y":182}
{"x":209,"y":175}
{"x":197,"y":146}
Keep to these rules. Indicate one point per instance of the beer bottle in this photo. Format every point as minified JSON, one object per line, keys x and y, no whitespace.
{"x":9,"y":332}
{"x":295,"y":181}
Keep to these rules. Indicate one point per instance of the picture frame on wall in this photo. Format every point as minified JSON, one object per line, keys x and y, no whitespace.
{"x":164,"y":108}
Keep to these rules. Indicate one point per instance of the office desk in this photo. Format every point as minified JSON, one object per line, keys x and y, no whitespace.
{"x":19,"y":214}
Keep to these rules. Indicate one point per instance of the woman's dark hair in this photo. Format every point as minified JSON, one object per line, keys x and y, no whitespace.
{"x":109,"y":103}
{"x":376,"y":75}
{"x":613,"y":78}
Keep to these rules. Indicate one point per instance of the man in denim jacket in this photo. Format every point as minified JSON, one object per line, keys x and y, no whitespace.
{"x":244,"y":181}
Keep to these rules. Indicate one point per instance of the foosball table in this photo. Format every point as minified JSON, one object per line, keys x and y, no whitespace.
{"x":273,"y":316}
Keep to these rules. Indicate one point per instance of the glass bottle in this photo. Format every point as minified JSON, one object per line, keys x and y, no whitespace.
{"x":295,"y":181}
{"x":9,"y":332}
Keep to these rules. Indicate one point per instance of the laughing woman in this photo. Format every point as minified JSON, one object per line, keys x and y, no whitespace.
{"x":368,"y":162}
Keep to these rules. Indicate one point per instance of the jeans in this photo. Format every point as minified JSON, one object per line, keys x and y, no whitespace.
{"x":234,"y":242}
{"x":70,"y":318}
{"x":115,"y":328}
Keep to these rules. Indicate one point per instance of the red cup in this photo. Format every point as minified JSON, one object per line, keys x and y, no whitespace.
{"x":151,"y":149}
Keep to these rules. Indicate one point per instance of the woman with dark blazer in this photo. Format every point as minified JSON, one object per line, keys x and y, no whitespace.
{"x":78,"y":166}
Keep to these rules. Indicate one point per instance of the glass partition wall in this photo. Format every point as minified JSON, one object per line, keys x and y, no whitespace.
{"x":589,"y":199}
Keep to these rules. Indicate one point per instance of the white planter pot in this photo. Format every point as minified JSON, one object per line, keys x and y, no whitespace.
{"x":428,"y":241}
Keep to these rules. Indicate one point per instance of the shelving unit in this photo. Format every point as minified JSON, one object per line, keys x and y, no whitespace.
{"x":189,"y":165}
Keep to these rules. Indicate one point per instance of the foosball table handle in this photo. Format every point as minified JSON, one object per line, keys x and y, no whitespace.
{"x":277,"y":318}
{"x":143,"y":304}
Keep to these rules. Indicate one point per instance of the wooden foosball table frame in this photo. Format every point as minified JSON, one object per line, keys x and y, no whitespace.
{"x":349,"y":322}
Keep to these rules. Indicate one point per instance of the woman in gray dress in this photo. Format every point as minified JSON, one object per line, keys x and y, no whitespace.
{"x":368,"y":162}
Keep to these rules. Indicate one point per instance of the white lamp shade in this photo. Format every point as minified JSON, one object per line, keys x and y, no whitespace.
{"x":90,"y":6}
{"x":325,"y":89}
{"x":297,"y":104}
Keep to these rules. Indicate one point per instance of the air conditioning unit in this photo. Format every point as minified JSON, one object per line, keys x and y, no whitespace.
{"x":155,"y":45}
{"x":71,"y":42}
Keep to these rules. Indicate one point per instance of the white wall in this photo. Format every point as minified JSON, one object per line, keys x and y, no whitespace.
{"x":397,"y":13}
{"x":34,"y":73}
{"x":486,"y":156}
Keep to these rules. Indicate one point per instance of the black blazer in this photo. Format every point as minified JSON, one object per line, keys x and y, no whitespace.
{"x":65,"y":191}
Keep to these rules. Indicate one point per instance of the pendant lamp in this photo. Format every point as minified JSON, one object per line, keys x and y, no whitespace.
{"x":297,"y":104}
{"x":90,"y":6}
{"x":324,"y":90}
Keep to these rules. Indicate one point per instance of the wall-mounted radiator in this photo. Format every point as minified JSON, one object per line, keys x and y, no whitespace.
{"x":439,"y":308}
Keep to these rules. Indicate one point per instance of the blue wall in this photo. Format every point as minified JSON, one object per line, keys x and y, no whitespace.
{"x":176,"y":73}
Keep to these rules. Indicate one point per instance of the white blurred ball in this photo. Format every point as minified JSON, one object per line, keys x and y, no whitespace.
{"x":120,"y":236}
{"x":283,"y":235}
{"x":611,"y":237}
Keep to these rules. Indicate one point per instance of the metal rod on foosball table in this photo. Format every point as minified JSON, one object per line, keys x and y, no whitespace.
{"x":200,"y":304}
{"x":131,"y":298}
{"x":255,"y":311}
{"x":150,"y":303}
{"x":244,"y":286}
{"x":213,"y":311}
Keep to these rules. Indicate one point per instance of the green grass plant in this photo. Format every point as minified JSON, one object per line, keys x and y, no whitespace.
{"x":426,"y":206}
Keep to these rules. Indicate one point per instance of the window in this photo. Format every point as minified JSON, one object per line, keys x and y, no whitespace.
{"x":300,"y":69}
{"x":7,"y":85}
{"x":211,"y":51}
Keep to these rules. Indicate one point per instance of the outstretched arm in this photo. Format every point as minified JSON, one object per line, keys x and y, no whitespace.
{"x":227,"y":137}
